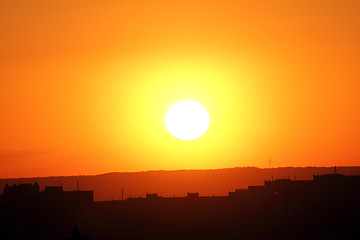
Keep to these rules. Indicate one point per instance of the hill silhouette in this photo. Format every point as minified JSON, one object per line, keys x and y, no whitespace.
{"x":178,"y":182}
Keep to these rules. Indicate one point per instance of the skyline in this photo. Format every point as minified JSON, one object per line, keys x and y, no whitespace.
{"x":85,"y":86}
{"x":324,"y":207}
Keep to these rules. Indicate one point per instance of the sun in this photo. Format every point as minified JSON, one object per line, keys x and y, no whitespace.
{"x":187,"y":120}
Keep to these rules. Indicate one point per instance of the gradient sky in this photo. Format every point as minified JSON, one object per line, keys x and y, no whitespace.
{"x":85,"y":85}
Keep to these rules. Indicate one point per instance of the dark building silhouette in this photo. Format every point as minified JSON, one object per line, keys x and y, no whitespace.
{"x":33,"y":214}
{"x":326,"y":207}
{"x":192,"y":195}
{"x":20,"y":191}
{"x":29,"y":192}
{"x":152,"y":196}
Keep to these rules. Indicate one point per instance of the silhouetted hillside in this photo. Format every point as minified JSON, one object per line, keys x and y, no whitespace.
{"x":177,"y":183}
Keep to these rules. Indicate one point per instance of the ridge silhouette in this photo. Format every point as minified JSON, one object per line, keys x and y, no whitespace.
{"x":178,"y":182}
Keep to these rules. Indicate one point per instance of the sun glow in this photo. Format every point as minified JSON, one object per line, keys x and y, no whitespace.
{"x":187,"y":120}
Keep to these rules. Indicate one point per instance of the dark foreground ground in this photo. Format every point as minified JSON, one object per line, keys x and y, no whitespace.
{"x":335,"y":216}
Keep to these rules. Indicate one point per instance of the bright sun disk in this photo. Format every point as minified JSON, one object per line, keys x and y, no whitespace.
{"x":187,"y":120}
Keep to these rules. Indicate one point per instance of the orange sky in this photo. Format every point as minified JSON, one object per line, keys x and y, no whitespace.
{"x":85,"y":85}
